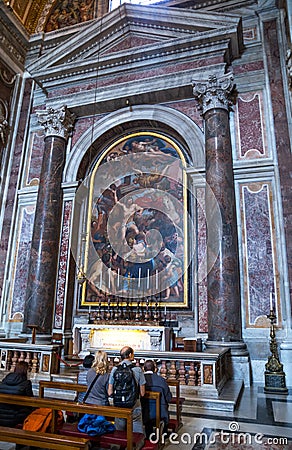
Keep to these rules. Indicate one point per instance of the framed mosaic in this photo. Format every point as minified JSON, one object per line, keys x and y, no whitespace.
{"x":134,"y":241}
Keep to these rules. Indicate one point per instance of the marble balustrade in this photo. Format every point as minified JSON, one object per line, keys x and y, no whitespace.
{"x":42,"y":359}
{"x":200,"y":373}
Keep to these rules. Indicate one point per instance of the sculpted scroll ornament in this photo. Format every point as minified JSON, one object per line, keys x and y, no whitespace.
{"x":214,"y":92}
{"x":57,"y":122}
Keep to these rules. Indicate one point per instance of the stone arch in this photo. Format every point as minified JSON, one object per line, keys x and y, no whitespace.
{"x":176,"y":123}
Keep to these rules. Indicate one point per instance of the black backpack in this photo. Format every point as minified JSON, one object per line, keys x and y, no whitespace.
{"x":126,"y":390}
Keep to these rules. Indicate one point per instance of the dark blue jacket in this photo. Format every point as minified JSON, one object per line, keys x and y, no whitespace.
{"x":14,"y":384}
{"x":156,"y":383}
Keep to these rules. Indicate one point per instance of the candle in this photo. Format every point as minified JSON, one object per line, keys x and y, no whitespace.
{"x":165,"y":310}
{"x":271,"y":301}
{"x":156,"y":280}
{"x":139,"y":277}
{"x":89,"y":309}
{"x":148,"y":273}
{"x":118,"y":277}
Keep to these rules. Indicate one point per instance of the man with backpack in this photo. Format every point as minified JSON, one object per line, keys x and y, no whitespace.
{"x":126,"y":386}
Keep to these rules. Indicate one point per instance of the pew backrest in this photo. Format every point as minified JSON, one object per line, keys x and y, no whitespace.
{"x":43,"y":440}
{"x":67,"y":405}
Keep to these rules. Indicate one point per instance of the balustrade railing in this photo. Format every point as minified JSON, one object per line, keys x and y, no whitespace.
{"x":199,"y":373}
{"x":41,"y":359}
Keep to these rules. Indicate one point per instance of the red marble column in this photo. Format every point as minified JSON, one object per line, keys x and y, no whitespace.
{"x":40,"y":293}
{"x":223,"y":281}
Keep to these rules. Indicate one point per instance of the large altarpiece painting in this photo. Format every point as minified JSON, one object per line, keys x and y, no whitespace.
{"x":134,"y":240}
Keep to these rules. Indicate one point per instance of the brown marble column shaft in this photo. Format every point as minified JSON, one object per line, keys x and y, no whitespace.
{"x":223,"y":281}
{"x":40,"y":293}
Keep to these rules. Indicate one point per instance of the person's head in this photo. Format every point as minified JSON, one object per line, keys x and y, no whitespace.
{"x":21,"y":368}
{"x":100,"y":363}
{"x":149,"y":365}
{"x":127,"y":353}
{"x":88,"y":361}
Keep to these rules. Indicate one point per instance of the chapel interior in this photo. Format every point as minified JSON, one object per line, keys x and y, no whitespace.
{"x":145,"y":198}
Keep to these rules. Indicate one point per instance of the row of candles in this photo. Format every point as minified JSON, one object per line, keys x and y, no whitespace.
{"x":271,"y":301}
{"x":138,"y":304}
{"x":139,"y":278}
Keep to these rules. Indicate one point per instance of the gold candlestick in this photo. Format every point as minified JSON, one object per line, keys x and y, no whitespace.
{"x":274,"y":375}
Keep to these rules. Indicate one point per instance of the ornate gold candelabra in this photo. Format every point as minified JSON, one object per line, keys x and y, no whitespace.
{"x":275,"y":378}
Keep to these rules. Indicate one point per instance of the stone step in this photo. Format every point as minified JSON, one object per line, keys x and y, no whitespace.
{"x":226,"y":401}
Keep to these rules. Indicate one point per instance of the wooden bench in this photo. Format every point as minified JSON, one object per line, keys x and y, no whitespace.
{"x":125,"y":439}
{"x":69,"y":428}
{"x":176,"y":423}
{"x":43,"y":440}
{"x":130,"y":439}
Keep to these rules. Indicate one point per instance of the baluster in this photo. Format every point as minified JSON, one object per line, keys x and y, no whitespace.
{"x":192,"y":375}
{"x":163,"y":369}
{"x":14,"y":360}
{"x":172,"y":370}
{"x":28,"y":359}
{"x":35,"y":363}
{"x":22,"y":356}
{"x":198,"y":374}
{"x":9,"y":360}
{"x":182,"y":373}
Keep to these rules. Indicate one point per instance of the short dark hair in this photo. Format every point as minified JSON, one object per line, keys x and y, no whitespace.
{"x":149,"y":365}
{"x":21,"y":367}
{"x":88,"y":360}
{"x":126,"y":352}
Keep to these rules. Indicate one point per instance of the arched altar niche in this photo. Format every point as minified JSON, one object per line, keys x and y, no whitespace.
{"x":132,"y":247}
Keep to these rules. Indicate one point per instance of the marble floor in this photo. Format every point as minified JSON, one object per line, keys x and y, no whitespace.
{"x":260,"y":421}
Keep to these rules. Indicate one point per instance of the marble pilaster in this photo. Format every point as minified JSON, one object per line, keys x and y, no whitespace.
{"x":40,"y":293}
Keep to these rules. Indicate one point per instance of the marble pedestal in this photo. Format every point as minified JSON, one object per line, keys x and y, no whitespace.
{"x":239,"y":366}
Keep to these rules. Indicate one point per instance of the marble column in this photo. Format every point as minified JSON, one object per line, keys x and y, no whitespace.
{"x":224,"y":319}
{"x":223,"y":281}
{"x":42,"y":275}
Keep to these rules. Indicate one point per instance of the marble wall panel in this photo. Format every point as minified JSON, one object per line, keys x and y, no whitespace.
{"x":34,"y":159}
{"x":63,"y":265}
{"x":82,"y":125}
{"x":13,"y":181}
{"x":250,"y":35}
{"x":282,"y":117}
{"x":252,"y":66}
{"x":21,"y":261}
{"x":188,"y":108}
{"x":259,"y":253}
{"x":201,"y":258}
{"x":250,"y":128}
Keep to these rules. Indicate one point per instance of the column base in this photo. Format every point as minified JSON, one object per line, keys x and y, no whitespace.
{"x":286,"y":359}
{"x":239,"y":367}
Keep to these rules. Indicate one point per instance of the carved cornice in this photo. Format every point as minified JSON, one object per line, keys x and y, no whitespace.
{"x":13,"y":37}
{"x":214,"y":92}
{"x":57,"y":122}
